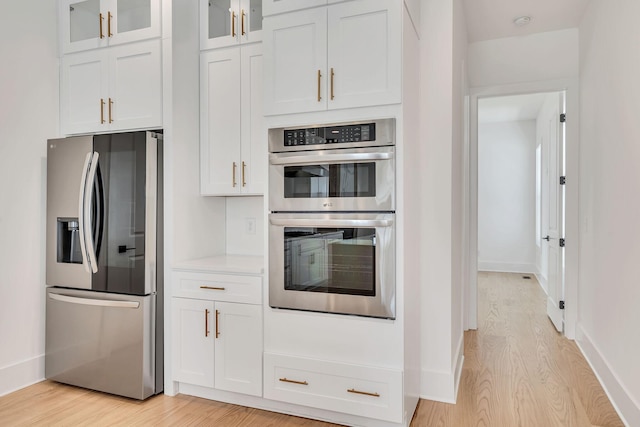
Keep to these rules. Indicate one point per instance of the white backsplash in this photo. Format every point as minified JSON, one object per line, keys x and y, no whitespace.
{"x":245,"y":226}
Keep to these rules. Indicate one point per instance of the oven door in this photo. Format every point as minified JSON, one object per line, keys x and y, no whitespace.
{"x":358,"y":179}
{"x":333,"y":263}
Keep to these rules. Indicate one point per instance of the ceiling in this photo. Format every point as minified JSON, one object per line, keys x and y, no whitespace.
{"x":492,"y":19}
{"x":510,"y":108}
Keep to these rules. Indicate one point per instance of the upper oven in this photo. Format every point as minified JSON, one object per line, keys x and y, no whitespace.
{"x":345,"y":167}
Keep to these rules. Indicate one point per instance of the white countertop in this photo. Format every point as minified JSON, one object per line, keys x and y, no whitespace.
{"x":242,"y":264}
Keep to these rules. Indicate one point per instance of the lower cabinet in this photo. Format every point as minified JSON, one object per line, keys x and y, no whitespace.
{"x":218,"y":344}
{"x":365,"y":391}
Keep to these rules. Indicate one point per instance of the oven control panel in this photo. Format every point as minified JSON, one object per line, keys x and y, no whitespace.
{"x":330,"y":135}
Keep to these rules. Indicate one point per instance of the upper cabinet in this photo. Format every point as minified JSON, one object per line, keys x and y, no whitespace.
{"x":342,"y":55}
{"x":91,"y":24}
{"x":229,"y":22}
{"x":273,"y":7}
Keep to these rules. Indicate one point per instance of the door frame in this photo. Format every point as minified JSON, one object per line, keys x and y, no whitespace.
{"x":571,"y":88}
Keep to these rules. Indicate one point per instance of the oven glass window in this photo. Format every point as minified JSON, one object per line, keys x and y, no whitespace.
{"x":330,"y":180}
{"x":330,"y":260}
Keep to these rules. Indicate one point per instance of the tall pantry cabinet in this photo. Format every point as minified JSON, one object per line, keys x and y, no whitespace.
{"x":111,"y":68}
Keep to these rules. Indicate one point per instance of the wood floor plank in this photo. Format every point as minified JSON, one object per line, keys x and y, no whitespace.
{"x":518,"y":371}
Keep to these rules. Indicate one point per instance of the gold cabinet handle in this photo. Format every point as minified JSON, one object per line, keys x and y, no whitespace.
{"x":285,"y":380}
{"x":366,"y":393}
{"x":319,"y":77}
{"x":242,"y":21}
{"x":101,"y":111}
{"x":206,"y":322}
{"x":244,"y":165}
{"x":217,"y":321}
{"x":234,"y":174}
{"x":332,"y":75}
{"x":212,"y":288}
{"x":109,"y":16}
{"x":101,"y":19}
{"x":233,"y":23}
{"x":110,"y":107}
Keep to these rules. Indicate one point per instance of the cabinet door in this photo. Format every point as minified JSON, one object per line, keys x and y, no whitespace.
{"x":133,"y":20}
{"x":193,"y":341}
{"x":238,"y":349}
{"x":220,"y":167}
{"x":84,"y":92}
{"x":135,"y":86}
{"x":250,"y":21}
{"x":273,"y":7}
{"x":89,"y":24}
{"x":365,"y":45}
{"x":295,"y":52}
{"x":218,"y":23}
{"x":253,"y":131}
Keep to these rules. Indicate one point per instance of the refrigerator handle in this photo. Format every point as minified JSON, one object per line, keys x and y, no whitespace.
{"x":97,"y":302}
{"x":86,"y":213}
{"x":81,"y":203}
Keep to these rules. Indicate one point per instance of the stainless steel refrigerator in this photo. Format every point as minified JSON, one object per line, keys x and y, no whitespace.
{"x":104,"y":303}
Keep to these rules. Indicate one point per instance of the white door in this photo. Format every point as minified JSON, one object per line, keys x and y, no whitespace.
{"x":554,"y":158}
{"x":220,"y":168}
{"x":238,"y":349}
{"x":135,"y":86}
{"x":295,"y":62}
{"x":193,"y":340}
{"x":365,"y":54}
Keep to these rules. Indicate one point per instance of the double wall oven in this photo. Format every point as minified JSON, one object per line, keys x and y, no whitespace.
{"x":332,"y":220}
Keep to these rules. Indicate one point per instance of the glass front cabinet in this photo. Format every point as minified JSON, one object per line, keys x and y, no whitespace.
{"x":229,"y":22}
{"x":90,"y":24}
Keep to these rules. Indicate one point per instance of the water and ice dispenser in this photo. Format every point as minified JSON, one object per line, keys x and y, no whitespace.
{"x":69,"y":241}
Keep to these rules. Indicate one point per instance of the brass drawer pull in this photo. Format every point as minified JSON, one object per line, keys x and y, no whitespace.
{"x":217,"y":321}
{"x":319,"y":77}
{"x":366,"y":393}
{"x":212,"y":288}
{"x":244,"y":166}
{"x":332,"y":76}
{"x":285,"y":380}
{"x":101,"y":33}
{"x":206,"y":322}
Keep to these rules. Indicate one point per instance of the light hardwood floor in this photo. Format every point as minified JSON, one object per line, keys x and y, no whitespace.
{"x":518,"y":371}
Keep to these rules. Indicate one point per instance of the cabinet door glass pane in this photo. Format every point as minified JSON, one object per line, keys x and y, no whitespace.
{"x":84,"y":20}
{"x":133,"y":15}
{"x":255,"y":15}
{"x":219,"y":18}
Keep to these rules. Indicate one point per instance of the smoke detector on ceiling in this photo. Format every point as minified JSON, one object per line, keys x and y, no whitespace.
{"x":521,"y":21}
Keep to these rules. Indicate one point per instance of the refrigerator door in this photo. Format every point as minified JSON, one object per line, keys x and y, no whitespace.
{"x":127,"y":174}
{"x":101,"y":341}
{"x":67,"y":174}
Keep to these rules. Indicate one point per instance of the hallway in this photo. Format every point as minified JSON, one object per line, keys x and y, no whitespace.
{"x":518,"y":371}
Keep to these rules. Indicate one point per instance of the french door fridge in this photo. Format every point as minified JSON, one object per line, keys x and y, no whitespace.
{"x":104,"y":263}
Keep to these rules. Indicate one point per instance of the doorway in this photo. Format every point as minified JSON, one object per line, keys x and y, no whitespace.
{"x":498,"y":244}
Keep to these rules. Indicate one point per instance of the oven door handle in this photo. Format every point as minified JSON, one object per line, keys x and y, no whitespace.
{"x":329,"y":158}
{"x":331,"y":222}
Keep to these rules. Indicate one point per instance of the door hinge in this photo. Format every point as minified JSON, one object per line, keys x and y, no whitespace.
{"x":562,"y":243}
{"x":561,"y":305}
{"x":563,"y":180}
{"x":563,"y":118}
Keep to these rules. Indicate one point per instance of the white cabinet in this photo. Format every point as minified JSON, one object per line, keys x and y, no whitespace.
{"x":217,"y":341}
{"x":339,"y":56}
{"x":229,"y":22}
{"x":233,"y":146}
{"x":89,"y":24}
{"x":112,"y":89}
{"x":273,"y":7}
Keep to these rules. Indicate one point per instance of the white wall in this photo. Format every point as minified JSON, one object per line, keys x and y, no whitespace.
{"x":198,"y":222}
{"x":28,"y":116}
{"x":506,"y":196}
{"x":442,"y":70}
{"x":543,"y":56}
{"x":241,"y":237}
{"x":609,"y":294}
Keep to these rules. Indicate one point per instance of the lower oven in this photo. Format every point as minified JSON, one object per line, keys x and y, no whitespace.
{"x":333,"y":263}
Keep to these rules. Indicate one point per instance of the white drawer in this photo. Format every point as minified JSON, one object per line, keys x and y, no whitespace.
{"x":217,"y":287}
{"x":358,"y":390}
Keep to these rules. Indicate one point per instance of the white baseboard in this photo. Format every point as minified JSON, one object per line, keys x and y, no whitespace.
{"x":443,"y":386}
{"x":543,"y":283}
{"x":505,"y":267}
{"x":624,"y":404}
{"x":22,"y":374}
